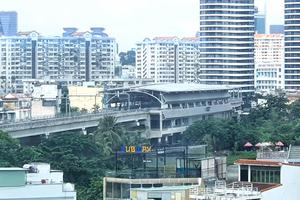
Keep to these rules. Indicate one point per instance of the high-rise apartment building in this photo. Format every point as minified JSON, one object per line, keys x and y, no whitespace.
{"x":8,"y":23}
{"x":167,"y":59}
{"x":292,"y":44}
{"x":227,"y":43}
{"x":75,"y":57}
{"x":269,"y":62}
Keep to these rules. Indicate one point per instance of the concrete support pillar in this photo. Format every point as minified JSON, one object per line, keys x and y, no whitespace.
{"x":249,"y":173}
{"x":239,"y":172}
{"x":84,"y":131}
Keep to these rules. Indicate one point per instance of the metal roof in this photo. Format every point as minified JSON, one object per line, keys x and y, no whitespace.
{"x":183,"y":87}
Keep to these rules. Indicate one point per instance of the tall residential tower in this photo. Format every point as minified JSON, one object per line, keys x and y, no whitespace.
{"x":227,"y":43}
{"x":292,"y":44}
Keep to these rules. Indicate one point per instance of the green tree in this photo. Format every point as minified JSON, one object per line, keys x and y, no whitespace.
{"x":65,"y":101}
{"x":109,"y":134}
{"x":9,"y":149}
{"x":216,"y":133}
{"x":76,"y":154}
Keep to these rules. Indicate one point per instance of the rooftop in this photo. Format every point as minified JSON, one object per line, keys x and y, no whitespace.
{"x":165,"y":188}
{"x":263,"y":163}
{"x":258,"y":162}
{"x":11,"y":169}
{"x":183,"y":87}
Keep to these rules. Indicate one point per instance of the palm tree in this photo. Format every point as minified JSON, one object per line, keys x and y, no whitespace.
{"x":108,"y":134}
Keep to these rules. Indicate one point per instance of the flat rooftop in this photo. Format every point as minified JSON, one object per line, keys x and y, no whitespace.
{"x":183,"y":87}
{"x":165,"y":188}
{"x":11,"y":169}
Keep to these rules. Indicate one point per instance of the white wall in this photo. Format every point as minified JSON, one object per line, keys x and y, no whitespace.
{"x":38,"y":110}
{"x":36,"y":192}
{"x":290,"y":190}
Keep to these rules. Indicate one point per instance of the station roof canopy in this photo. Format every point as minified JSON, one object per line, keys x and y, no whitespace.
{"x":183,"y":87}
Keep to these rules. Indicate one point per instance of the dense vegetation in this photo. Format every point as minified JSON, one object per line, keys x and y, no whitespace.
{"x":85,"y":158}
{"x":127,"y":58}
{"x":272,"y":121}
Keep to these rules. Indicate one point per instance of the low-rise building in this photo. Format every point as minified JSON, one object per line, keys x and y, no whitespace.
{"x":14,"y":108}
{"x":34,"y":181}
{"x":276,"y":180}
{"x":88,"y":98}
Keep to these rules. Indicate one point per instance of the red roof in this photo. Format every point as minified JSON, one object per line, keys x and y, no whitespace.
{"x":258,"y":162}
{"x":263,"y":187}
{"x":264,"y":163}
{"x":248,"y":144}
{"x":279,"y":143}
{"x":165,"y":38}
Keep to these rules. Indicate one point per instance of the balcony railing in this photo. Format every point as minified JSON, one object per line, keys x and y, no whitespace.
{"x":272,"y":155}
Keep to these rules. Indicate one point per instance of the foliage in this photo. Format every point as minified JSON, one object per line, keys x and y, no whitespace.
{"x":65,"y":101}
{"x":127,"y":58}
{"x":108,"y":134}
{"x":74,"y":109}
{"x":13,"y":154}
{"x":83,"y":110}
{"x":76,"y":154}
{"x":272,"y":121}
{"x":231,"y":158}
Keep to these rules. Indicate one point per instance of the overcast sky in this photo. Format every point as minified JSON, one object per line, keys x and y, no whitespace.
{"x":128,"y":21}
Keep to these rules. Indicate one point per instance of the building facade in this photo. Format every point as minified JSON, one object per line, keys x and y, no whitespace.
{"x":269,"y":62}
{"x":8,"y":23}
{"x":260,"y":23}
{"x":276,"y":29}
{"x":175,"y":106}
{"x":75,"y":57}
{"x":34,"y":181}
{"x":292,"y":44}
{"x":167,"y":59}
{"x":227,"y":43}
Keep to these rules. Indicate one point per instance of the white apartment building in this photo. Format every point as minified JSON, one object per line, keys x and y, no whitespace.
{"x":74,"y":57}
{"x":34,"y":181}
{"x":167,"y":59}
{"x":269,"y":62}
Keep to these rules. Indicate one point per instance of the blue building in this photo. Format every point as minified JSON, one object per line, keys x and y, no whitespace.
{"x":276,"y":29}
{"x":8,"y":23}
{"x":260,"y":23}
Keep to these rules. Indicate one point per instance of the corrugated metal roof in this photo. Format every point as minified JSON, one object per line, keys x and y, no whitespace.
{"x":183,"y":87}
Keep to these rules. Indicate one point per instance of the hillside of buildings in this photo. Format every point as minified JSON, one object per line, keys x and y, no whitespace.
{"x":85,"y":159}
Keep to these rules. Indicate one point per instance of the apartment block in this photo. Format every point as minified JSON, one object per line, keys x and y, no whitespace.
{"x":75,"y":57}
{"x":269,"y":62}
{"x":167,"y":59}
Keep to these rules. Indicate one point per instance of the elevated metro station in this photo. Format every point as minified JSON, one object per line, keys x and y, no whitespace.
{"x":173,"y":107}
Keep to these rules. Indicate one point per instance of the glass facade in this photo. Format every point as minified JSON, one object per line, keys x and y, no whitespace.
{"x":227,"y":43}
{"x":292,"y":44}
{"x":8,"y":23}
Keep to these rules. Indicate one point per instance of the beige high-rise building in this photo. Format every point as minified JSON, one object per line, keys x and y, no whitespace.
{"x":269,"y":62}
